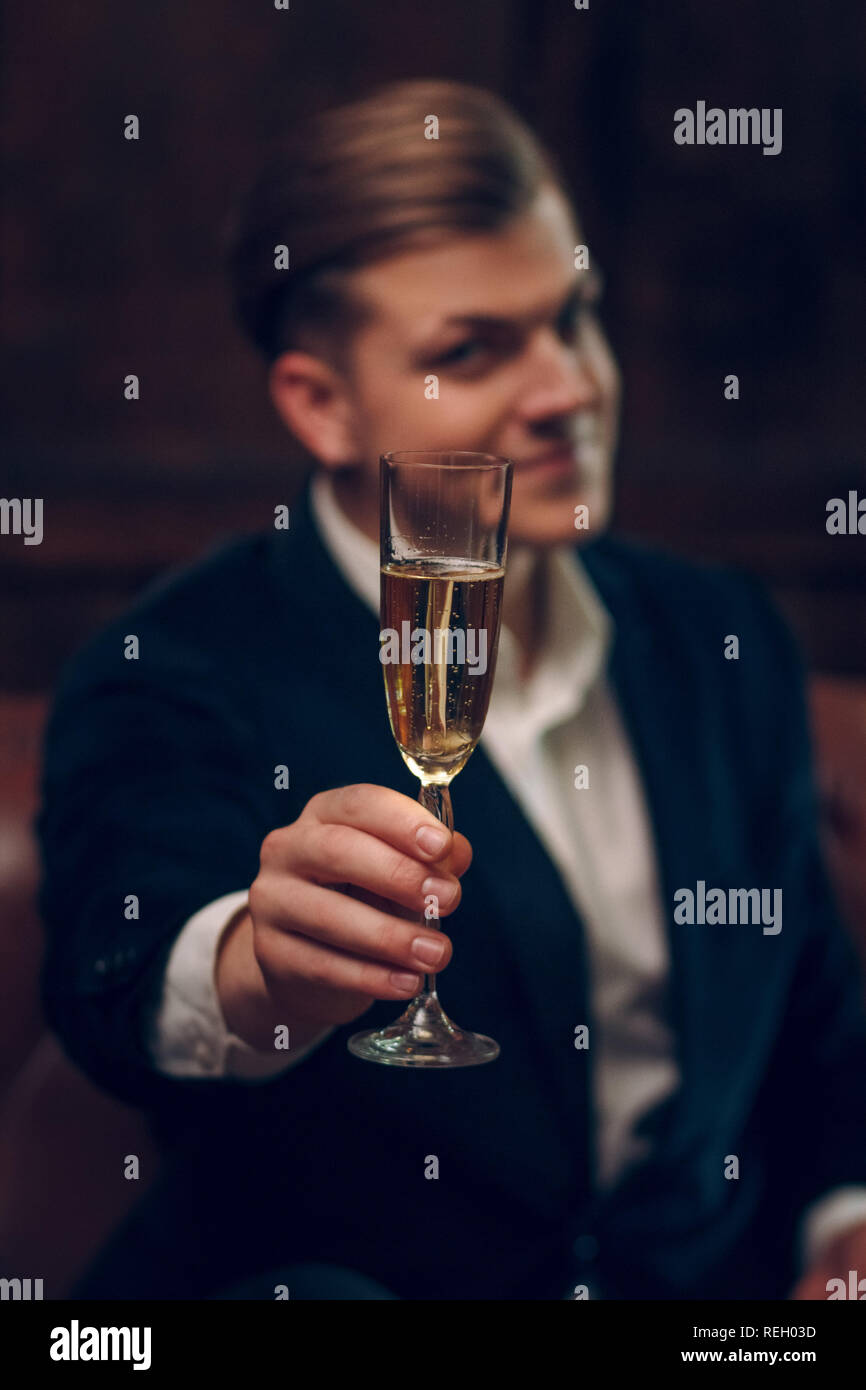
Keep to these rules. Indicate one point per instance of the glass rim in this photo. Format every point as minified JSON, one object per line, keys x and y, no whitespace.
{"x":422,"y":458}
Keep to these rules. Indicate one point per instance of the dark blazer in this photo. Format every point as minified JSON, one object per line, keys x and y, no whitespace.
{"x":159,"y":781}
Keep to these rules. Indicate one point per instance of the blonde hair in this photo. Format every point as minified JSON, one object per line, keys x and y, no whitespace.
{"x":360,"y":181}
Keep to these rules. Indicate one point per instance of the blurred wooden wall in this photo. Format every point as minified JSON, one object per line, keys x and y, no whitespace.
{"x":717,"y":260}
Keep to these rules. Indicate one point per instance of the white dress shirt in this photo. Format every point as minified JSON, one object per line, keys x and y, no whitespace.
{"x":537,"y":730}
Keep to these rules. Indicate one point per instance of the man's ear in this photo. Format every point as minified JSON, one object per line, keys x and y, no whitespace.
{"x":312,"y":399}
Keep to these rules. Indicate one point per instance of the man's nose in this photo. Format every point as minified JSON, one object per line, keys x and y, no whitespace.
{"x":558,"y":379}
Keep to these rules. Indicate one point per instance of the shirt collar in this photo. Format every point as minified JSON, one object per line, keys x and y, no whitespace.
{"x":576,"y":644}
{"x":354,"y":554}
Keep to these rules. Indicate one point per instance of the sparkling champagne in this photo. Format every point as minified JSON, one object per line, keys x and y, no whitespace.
{"x":438,"y":650}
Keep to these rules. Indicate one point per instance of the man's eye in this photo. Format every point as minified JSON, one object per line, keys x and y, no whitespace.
{"x":466,"y":351}
{"x":570,"y":323}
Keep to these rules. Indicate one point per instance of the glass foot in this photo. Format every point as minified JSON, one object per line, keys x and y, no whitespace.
{"x":423,"y":1036}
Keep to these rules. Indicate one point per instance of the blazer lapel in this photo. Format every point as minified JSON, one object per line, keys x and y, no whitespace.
{"x":665,"y":712}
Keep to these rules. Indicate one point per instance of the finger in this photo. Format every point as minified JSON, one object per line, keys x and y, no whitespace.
{"x":289,"y":849}
{"x":329,"y":854}
{"x":313,"y":977}
{"x":460,"y":856}
{"x":455,"y":862}
{"x":409,"y":914}
{"x":389,"y":815}
{"x":342,"y":923}
{"x":430,"y":914}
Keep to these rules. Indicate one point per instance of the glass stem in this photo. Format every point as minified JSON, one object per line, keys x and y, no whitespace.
{"x":436,"y":799}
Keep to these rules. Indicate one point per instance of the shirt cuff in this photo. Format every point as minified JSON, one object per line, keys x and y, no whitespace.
{"x":827,"y":1218}
{"x":189,"y":1036}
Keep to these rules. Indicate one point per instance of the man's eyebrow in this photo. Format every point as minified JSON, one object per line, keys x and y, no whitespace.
{"x":587,"y":290}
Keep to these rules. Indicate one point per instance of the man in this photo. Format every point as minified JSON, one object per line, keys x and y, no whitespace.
{"x":228,"y":860}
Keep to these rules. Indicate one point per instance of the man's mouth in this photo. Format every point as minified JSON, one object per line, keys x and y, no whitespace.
{"x":581,"y":455}
{"x":560,"y":460}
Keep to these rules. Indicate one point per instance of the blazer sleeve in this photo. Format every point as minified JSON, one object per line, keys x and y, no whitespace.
{"x":812,"y":1107}
{"x":153,"y":805}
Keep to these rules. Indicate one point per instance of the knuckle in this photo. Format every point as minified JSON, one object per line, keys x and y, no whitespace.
{"x":314,"y":805}
{"x":402,"y":876}
{"x":265,"y":958}
{"x":384,"y":938}
{"x":273,"y":956}
{"x":330,"y":849}
{"x":269,"y":848}
{"x":354,"y":797}
{"x":256,"y":899}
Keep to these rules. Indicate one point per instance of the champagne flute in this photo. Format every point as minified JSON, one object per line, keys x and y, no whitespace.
{"x":443,"y":543}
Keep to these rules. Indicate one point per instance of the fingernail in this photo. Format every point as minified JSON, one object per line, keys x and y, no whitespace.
{"x":442,"y":889}
{"x":427,"y":951}
{"x":402,"y":980}
{"x":431,"y":840}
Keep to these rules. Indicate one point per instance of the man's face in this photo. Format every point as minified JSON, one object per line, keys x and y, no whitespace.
{"x":504,"y":322}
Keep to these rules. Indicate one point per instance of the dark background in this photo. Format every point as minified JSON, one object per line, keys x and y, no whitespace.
{"x":717,"y":260}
